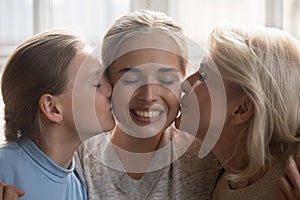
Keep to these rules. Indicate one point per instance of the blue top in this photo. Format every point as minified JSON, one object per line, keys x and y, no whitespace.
{"x":25,"y":166}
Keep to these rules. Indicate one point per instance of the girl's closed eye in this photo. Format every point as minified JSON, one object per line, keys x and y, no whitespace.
{"x":98,"y":85}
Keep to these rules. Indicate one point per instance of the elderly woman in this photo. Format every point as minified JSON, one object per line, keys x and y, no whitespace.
{"x":260,"y":70}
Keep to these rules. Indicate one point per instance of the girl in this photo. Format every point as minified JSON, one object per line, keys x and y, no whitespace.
{"x":42,"y":126}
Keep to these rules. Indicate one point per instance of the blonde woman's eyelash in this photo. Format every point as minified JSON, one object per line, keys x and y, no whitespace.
{"x":202,"y":76}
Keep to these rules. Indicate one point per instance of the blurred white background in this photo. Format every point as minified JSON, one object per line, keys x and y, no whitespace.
{"x":21,"y":19}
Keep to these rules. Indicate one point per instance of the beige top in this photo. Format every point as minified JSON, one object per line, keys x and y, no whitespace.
{"x":187,"y":177}
{"x":265,"y":188}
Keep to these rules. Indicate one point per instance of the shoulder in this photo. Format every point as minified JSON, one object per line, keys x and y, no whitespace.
{"x":9,"y":150}
{"x":93,"y":144}
{"x":92,"y":153}
{"x":199,"y":174}
{"x":11,"y":158}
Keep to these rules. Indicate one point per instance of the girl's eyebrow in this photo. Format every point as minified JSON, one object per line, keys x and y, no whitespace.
{"x":96,"y":73}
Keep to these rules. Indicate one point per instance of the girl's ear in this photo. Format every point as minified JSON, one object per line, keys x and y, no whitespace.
{"x":243,"y":110}
{"x":49,"y":107}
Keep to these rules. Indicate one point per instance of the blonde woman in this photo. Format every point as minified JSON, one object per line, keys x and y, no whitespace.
{"x":260,"y":69}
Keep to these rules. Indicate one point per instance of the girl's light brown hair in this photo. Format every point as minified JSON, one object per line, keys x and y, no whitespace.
{"x":39,"y":65}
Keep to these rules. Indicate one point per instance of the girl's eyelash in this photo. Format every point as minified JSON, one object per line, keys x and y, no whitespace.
{"x":98,"y":85}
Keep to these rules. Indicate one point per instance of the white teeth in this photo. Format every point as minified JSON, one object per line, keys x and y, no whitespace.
{"x":146,"y":114}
